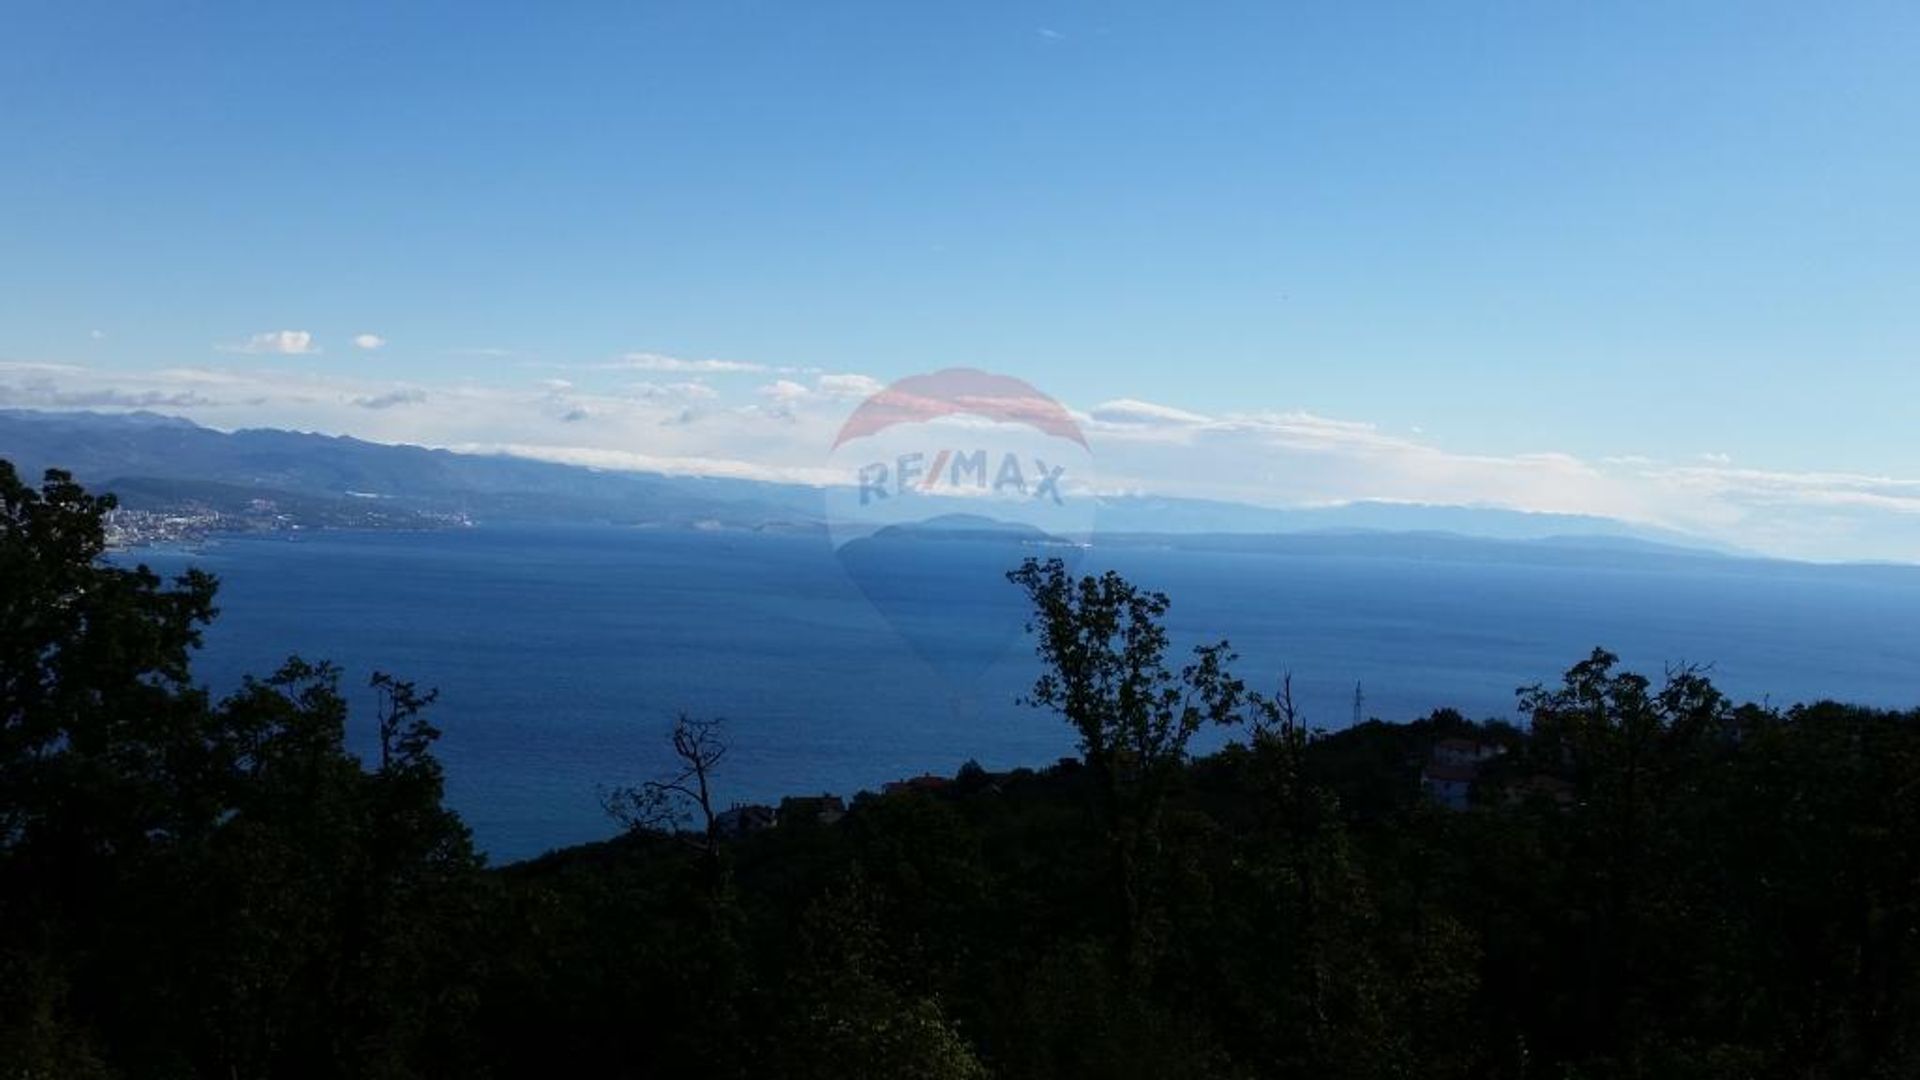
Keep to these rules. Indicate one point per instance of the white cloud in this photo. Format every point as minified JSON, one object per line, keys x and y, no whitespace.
{"x":785,"y":390}
{"x":849,"y":386}
{"x":48,"y":397}
{"x":657,"y":362}
{"x":368,"y":341}
{"x":408,"y":395}
{"x":692,"y":391}
{"x":785,"y":431}
{"x":1129,"y":411}
{"x":39,"y":367}
{"x":836,"y":389}
{"x":97,"y":335}
{"x":276,"y":342}
{"x":636,"y":461}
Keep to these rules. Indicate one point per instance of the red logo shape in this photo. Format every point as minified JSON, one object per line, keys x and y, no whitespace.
{"x":954,"y":391}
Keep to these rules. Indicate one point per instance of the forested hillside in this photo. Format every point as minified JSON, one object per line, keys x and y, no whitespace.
{"x":1648,"y":880}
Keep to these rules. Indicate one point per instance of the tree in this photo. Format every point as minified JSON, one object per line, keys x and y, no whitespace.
{"x":93,"y":663}
{"x":103,"y":754}
{"x":686,"y":797}
{"x":848,"y":1019}
{"x":706,"y":964}
{"x":1104,"y":649}
{"x":197,"y":889}
{"x":1635,"y":755}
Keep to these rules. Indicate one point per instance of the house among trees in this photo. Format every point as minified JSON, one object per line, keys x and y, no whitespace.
{"x":1452,"y":767}
{"x":740,"y":819}
{"x":812,"y":809}
{"x":926,"y":782}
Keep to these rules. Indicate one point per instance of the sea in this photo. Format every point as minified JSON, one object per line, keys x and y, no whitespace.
{"x":562,"y":654}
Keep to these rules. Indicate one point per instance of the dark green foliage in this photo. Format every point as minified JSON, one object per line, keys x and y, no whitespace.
{"x":199,"y":888}
{"x":853,"y":1015}
{"x":1102,"y":649}
{"x":1651,"y":881}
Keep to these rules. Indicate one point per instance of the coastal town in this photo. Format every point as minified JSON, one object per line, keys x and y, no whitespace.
{"x":195,"y":522}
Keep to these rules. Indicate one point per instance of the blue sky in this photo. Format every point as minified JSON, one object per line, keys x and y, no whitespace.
{"x":1647,"y":241}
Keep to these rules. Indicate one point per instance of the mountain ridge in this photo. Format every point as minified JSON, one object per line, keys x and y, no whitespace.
{"x":164,"y":462}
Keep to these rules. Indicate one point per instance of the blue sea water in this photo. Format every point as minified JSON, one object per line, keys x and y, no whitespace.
{"x":562,"y":653}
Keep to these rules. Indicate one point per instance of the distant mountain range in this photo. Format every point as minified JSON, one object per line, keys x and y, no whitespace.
{"x":162,"y":464}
